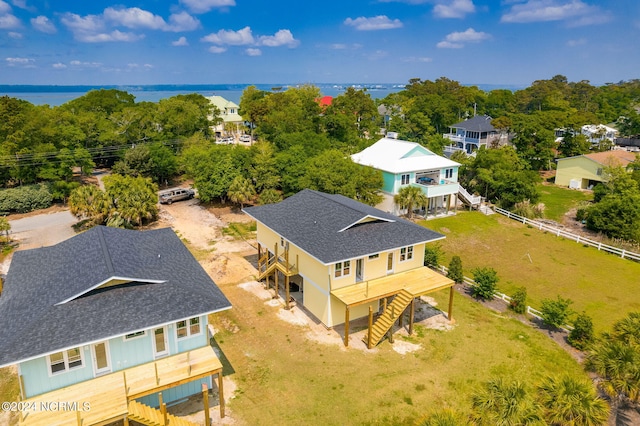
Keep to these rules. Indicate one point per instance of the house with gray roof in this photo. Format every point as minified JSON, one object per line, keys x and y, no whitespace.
{"x":469,"y":135}
{"x":346,"y":259}
{"x":109,"y":314}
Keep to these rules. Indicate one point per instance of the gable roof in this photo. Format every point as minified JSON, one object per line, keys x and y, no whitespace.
{"x":398,"y":156}
{"x":224,"y":105}
{"x":100,"y":284}
{"x":332,"y":228}
{"x":479,"y":123}
{"x":617,"y":157}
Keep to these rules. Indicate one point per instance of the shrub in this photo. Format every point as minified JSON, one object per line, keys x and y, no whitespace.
{"x":528,"y":210}
{"x":519,"y":301}
{"x":555,"y":313}
{"x":455,"y":270}
{"x":433,"y":255}
{"x":25,"y":199}
{"x":582,"y":334}
{"x":486,"y":280}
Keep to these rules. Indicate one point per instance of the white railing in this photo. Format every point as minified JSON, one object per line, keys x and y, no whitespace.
{"x":506,"y":299}
{"x":625,"y":254}
{"x":471,"y":199}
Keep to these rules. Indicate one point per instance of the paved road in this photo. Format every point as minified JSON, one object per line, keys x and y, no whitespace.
{"x":43,"y":229}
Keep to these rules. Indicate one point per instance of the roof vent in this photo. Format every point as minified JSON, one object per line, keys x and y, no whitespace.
{"x":392,"y":135}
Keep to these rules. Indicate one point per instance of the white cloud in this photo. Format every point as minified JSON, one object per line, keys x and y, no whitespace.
{"x":423,"y":59}
{"x":4,"y":7}
{"x":82,"y":25}
{"x":457,"y":40}
{"x":577,"y":42}
{"x":575,"y":11}
{"x":182,"y":41}
{"x":15,"y":35}
{"x":59,"y":66}
{"x":203,"y":6}
{"x":381,"y":22}
{"x":281,"y":38}
{"x":8,"y":22}
{"x":22,"y":4}
{"x":182,"y":22}
{"x":134,"y":17}
{"x":253,"y":52}
{"x":454,"y":8}
{"x":234,"y":38}
{"x":43,"y":24}
{"x":115,"y":35}
{"x":217,"y":49}
{"x":77,"y":63}
{"x":21,"y":62}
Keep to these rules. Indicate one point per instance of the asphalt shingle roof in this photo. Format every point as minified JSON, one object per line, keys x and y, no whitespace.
{"x":332,"y":228}
{"x":479,"y":123}
{"x":167,"y":284}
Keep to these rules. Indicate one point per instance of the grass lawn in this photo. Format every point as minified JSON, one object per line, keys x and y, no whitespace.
{"x":558,"y":200}
{"x":285,"y":378}
{"x":602,"y":285}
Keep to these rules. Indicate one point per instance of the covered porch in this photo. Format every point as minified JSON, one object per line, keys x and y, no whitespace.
{"x":405,"y":286}
{"x":106,"y":399}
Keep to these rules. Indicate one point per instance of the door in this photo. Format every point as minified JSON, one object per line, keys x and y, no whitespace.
{"x":359,"y":270}
{"x":160,"y":346}
{"x":100,"y":355}
{"x":390,"y":263}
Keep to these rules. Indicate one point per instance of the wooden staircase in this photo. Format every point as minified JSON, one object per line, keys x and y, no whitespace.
{"x":143,"y":414}
{"x":389,"y":317}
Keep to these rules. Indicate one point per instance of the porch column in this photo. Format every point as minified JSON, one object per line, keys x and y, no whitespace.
{"x":346,"y":326}
{"x":412,"y":313}
{"x":451,"y":290}
{"x":221,"y":394}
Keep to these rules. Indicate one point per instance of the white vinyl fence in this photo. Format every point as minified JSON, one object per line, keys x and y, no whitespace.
{"x":625,"y":254}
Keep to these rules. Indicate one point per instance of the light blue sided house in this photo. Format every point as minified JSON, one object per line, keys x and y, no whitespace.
{"x":103,"y":322}
{"x":406,"y":163}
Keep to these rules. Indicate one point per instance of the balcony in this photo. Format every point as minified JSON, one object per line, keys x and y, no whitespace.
{"x":432,"y":188}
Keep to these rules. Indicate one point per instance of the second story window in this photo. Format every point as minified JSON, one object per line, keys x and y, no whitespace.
{"x":342,"y":269}
{"x":405,"y":179}
{"x":448,"y":173}
{"x":406,"y":253}
{"x":60,"y":362}
{"x":188,"y":328}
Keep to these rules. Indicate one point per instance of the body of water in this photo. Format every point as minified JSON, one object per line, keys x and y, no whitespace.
{"x":58,"y":95}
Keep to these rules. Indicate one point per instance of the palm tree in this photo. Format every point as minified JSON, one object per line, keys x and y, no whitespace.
{"x":505,"y":404}
{"x":618,"y":365}
{"x":443,"y":417}
{"x":241,"y":190}
{"x":628,"y":329}
{"x":573,"y":402}
{"x":89,"y":202}
{"x":410,"y":197}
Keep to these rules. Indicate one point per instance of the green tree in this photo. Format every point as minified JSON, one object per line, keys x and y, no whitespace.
{"x":569,"y":401}
{"x":136,"y":162}
{"x":581,"y":336}
{"x":241,"y":191}
{"x":410,"y":198}
{"x":486,"y":283}
{"x":455,"y":270}
{"x":164,"y":163}
{"x":134,"y":198}
{"x":89,"y":202}
{"x":433,"y":255}
{"x":519,"y":300}
{"x":505,"y":403}
{"x":5,"y":228}
{"x":627,"y":330}
{"x":264,"y":171}
{"x":573,"y":144}
{"x":556,"y":313}
{"x":269,"y":196}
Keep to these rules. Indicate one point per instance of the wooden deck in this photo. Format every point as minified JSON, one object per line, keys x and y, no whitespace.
{"x":105,"y":399}
{"x":418,"y":282}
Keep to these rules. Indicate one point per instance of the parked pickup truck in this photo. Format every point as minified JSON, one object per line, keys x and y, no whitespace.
{"x":176,"y":194}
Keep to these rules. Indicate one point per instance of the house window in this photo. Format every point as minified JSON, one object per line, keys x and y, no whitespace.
{"x":599,"y":172}
{"x":448,"y":173}
{"x":60,"y":362}
{"x":374,"y":256}
{"x":405,"y":179}
{"x":342,"y":269}
{"x":134,"y":335}
{"x":188,"y":328}
{"x":406,"y":253}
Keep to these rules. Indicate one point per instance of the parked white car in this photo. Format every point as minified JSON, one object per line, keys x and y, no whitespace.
{"x":245,"y":138}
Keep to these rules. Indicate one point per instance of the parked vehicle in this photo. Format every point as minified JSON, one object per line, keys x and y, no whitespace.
{"x":176,"y":194}
{"x":245,"y":138}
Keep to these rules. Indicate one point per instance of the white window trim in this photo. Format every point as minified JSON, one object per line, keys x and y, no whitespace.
{"x":408,"y":254}
{"x":342,"y":274}
{"x":65,"y":357}
{"x":188,"y":326}
{"x":402,"y":180}
{"x":137,"y":336}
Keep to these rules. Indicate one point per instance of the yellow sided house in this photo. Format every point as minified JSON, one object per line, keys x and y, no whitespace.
{"x":107,"y":325}
{"x":348,"y":259}
{"x":586,"y":171}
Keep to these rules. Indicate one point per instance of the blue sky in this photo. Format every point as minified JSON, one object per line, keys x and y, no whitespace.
{"x":507,"y":42}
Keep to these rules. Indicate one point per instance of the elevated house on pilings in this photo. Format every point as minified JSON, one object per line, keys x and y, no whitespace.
{"x":112,"y":323}
{"x":347,"y":259}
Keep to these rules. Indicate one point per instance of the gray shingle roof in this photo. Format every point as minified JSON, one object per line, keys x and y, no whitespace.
{"x":479,"y":123}
{"x":167,"y":284}
{"x":328,"y":226}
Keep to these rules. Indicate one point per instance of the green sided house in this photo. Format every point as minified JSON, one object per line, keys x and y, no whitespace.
{"x":106,"y":320}
{"x":348,"y":259}
{"x":585,"y":171}
{"x":232,"y":122}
